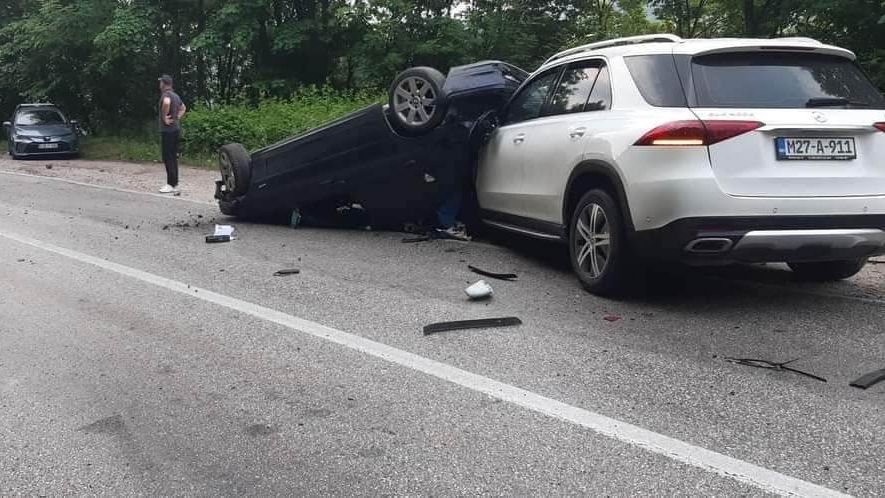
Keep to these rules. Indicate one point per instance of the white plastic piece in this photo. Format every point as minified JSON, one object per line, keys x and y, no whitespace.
{"x":479,"y":290}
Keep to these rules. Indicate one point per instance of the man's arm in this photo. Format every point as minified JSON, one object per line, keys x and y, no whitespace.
{"x":181,"y":110}
{"x":167,"y":104}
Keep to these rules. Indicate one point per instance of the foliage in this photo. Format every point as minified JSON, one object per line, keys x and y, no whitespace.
{"x":269,"y":121}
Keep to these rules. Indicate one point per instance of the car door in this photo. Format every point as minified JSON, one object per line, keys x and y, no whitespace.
{"x":560,"y":136}
{"x":499,"y":181}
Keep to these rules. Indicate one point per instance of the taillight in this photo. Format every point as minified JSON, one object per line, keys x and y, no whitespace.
{"x":880,"y":126}
{"x":685,"y":133}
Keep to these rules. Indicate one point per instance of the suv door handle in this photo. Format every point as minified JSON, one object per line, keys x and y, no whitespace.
{"x":577,"y":132}
{"x":518,"y":139}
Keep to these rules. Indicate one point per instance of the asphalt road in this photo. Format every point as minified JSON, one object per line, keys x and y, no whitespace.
{"x":137,"y":360}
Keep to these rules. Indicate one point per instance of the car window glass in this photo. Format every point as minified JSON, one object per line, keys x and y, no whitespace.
{"x":574,"y":88}
{"x":39,"y":117}
{"x":529,"y":102}
{"x":657,"y":79}
{"x":601,"y":96}
{"x":780,"y":80}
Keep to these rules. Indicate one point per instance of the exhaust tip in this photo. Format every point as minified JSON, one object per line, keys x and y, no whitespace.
{"x":709,"y":245}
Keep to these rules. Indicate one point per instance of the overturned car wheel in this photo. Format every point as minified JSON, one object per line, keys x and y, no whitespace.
{"x":417,"y":102}
{"x":236,"y":169}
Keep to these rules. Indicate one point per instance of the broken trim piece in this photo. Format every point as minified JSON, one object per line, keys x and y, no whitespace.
{"x":499,"y":276}
{"x":288,"y":271}
{"x":770,"y":365}
{"x":869,"y":379}
{"x":484,"y":323}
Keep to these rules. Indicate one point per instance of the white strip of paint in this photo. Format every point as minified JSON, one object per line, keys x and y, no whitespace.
{"x":680,"y":451}
{"x":106,"y":187}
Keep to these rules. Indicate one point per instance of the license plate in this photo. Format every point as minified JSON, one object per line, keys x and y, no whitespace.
{"x":47,"y":146}
{"x":820,"y":149}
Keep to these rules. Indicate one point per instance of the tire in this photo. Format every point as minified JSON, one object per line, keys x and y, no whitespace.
{"x":827,"y":271}
{"x":616,"y":269}
{"x":416,"y":100}
{"x":235,"y":165}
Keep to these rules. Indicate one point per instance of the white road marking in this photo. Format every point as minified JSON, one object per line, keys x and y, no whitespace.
{"x":106,"y":187}
{"x":680,"y":451}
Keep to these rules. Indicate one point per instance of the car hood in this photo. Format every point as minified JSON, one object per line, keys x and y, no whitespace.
{"x":43,"y":131}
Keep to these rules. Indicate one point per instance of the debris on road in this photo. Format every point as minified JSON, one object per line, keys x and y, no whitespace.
{"x":226,"y":230}
{"x":286,"y":272}
{"x":869,"y":379}
{"x":484,"y":323}
{"x":49,"y":166}
{"x":770,"y":365}
{"x":412,"y":240}
{"x":214,"y":239}
{"x":611,"y":318}
{"x":499,"y":276}
{"x":479,"y":290}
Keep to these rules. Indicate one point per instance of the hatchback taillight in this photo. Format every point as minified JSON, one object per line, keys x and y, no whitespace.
{"x":880,"y":126}
{"x":687,"y":133}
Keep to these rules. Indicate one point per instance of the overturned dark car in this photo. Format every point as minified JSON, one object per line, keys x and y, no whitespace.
{"x":395,"y":161}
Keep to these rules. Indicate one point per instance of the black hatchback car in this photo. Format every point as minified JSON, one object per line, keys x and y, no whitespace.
{"x":41,"y":129}
{"x":397,"y":161}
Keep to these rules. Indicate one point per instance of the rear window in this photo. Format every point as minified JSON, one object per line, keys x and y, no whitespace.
{"x":39,"y":117}
{"x":657,"y":79}
{"x":781,"y":81}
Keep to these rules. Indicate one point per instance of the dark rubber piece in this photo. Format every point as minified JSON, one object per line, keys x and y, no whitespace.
{"x":869,"y":379}
{"x":499,"y":276}
{"x":214,"y":239}
{"x":485,"y":323}
{"x":290,"y":271}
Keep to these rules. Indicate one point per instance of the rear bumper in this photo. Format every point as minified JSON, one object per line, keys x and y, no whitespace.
{"x":716,"y":241}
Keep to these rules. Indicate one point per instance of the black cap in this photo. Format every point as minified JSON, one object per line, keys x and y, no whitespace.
{"x":166,"y":79}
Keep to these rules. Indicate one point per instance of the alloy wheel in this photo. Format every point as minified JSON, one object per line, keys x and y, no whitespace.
{"x":592,"y":240}
{"x":414,"y":101}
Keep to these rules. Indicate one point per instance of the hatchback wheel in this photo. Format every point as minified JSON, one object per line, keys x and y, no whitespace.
{"x":598,"y":246}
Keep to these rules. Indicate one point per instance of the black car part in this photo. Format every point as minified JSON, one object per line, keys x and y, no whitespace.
{"x":484,"y":323}
{"x":869,"y":379}
{"x":770,"y":365}
{"x":499,"y":276}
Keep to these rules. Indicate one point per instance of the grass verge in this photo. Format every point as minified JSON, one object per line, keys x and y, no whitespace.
{"x":128,"y":149}
{"x":109,"y":148}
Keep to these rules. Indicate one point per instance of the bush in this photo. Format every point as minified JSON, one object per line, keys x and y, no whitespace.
{"x":207,"y":128}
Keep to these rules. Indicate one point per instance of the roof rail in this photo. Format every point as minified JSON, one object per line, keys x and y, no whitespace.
{"x":616,"y":42}
{"x":37,"y":104}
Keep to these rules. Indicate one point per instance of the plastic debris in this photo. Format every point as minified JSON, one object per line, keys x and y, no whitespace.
{"x":869,"y":379}
{"x":611,"y":318}
{"x":770,"y":365}
{"x":287,"y":271}
{"x":226,"y":230}
{"x":499,"y":276}
{"x":479,"y":290}
{"x":483,"y":323}
{"x":223,"y":233}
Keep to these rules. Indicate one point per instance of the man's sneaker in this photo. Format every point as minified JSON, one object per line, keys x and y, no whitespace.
{"x":168,"y":189}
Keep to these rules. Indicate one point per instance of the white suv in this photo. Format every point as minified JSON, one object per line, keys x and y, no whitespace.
{"x":706,"y":152}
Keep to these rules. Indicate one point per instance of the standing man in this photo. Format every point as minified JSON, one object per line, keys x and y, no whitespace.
{"x":171,"y":111}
